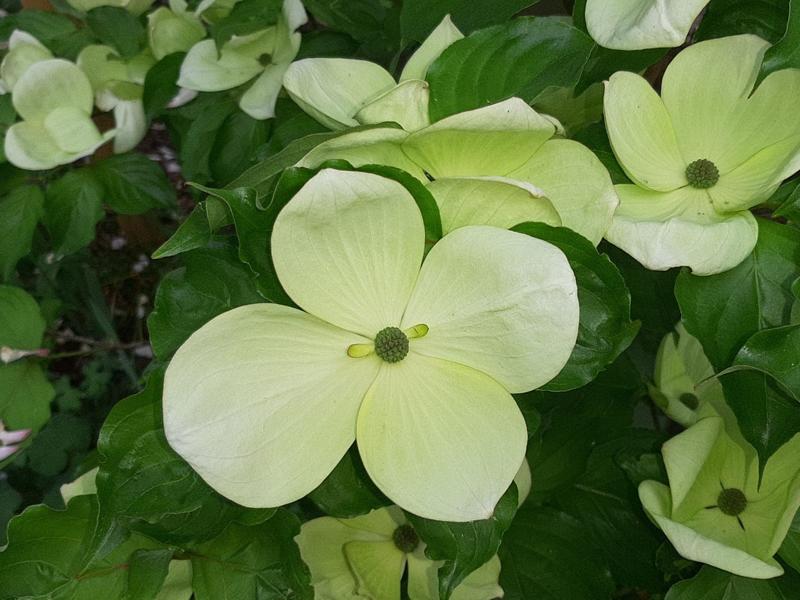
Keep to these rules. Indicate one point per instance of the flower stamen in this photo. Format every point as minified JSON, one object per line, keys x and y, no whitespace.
{"x":702,"y":174}
{"x":391,"y":344}
{"x":405,"y":538}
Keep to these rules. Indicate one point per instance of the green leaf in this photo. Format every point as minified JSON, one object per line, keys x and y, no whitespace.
{"x":465,"y":546}
{"x":605,"y":501}
{"x":252,"y":563}
{"x":118,"y":28}
{"x":25,"y":392}
{"x":724,"y":310}
{"x":790,"y":207}
{"x":46,"y":556}
{"x":211,"y":282}
{"x":20,"y":210}
{"x":236,"y":144}
{"x":596,"y":139}
{"x":420,"y":17}
{"x":786,"y":53}
{"x":161,"y":84}
{"x":254,"y":229}
{"x":62,"y":442}
{"x":575,"y":422}
{"x":54,"y":30}
{"x":247,"y":16}
{"x":714,"y":584}
{"x":520,"y":58}
{"x":194,"y":232}
{"x":606,"y":329}
{"x":145,"y":485}
{"x":547,"y":556}
{"x":134,"y":184}
{"x":205,"y":115}
{"x":147,"y":570}
{"x":764,"y":18}
{"x":73,"y":206}
{"x":775,"y":352}
{"x":348,"y":491}
{"x":373,"y":23}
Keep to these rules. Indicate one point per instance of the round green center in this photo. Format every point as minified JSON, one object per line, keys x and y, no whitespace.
{"x":689,"y":400}
{"x":702,"y":174}
{"x":405,"y":538}
{"x":732,"y":501}
{"x":391,"y":344}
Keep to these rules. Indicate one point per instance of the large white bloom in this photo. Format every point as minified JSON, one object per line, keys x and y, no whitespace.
{"x":417,"y":361}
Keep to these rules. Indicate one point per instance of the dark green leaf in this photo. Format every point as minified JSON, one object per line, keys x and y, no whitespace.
{"x":724,"y":310}
{"x":21,"y":322}
{"x":254,"y":230}
{"x":420,"y":17}
{"x":786,"y":53}
{"x":465,"y":546}
{"x":714,"y":584}
{"x":775,"y":352}
{"x":211,"y":282}
{"x":375,"y":24}
{"x":326,"y":44}
{"x":606,"y":502}
{"x":574,"y":422}
{"x":134,"y":184}
{"x":161,"y":84}
{"x":145,"y":485}
{"x":595,"y":138}
{"x":247,"y":16}
{"x":147,"y":570}
{"x":194,"y":232}
{"x":252,"y":563}
{"x":235,"y":147}
{"x":348,"y":491}
{"x":291,"y":123}
{"x":48,"y":27}
{"x":767,"y":415}
{"x":520,"y":58}
{"x":20,"y":210}
{"x":790,"y":207}
{"x":73,"y":206}
{"x":63,"y":439}
{"x":46,"y":556}
{"x":546,"y":555}
{"x":605,"y":327}
{"x":206,"y":115}
{"x":118,"y":28}
{"x":764,"y":18}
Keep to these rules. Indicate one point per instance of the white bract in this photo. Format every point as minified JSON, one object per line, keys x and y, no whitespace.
{"x":640,"y":24}
{"x":118,"y":85}
{"x":416,"y":361}
{"x":715,"y":510}
{"x":498,"y":165}
{"x":343,"y":92}
{"x":365,"y":557}
{"x":23,"y":51}
{"x":173,"y":29}
{"x":55,"y":101}
{"x":701,"y":155}
{"x":262,"y":56}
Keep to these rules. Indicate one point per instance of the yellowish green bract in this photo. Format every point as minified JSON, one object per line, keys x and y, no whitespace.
{"x":357,"y":559}
{"x":707,"y":111}
{"x":705,"y":462}
{"x":242,"y":59}
{"x":343,"y":92}
{"x":497,"y":165}
{"x":23,"y":51}
{"x":640,"y":24}
{"x":173,"y":29}
{"x":55,"y":101}
{"x":264,"y":400}
{"x":135,"y":7}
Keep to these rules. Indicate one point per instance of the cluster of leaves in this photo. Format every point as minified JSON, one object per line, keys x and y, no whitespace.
{"x":154,"y":529}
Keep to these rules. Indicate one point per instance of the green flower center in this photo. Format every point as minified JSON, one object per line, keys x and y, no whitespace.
{"x":689,"y":400}
{"x":732,"y":501}
{"x":405,"y":538}
{"x":702,"y":174}
{"x":391,"y":344}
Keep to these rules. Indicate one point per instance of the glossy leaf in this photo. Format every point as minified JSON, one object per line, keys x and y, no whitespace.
{"x":348,"y":491}
{"x":714,"y":584}
{"x":161,"y":83}
{"x":785,"y":54}
{"x":775,"y":351}
{"x":118,"y":28}
{"x":520,"y":58}
{"x":211,"y":282}
{"x":134,"y":184}
{"x":606,"y":329}
{"x":464,"y":546}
